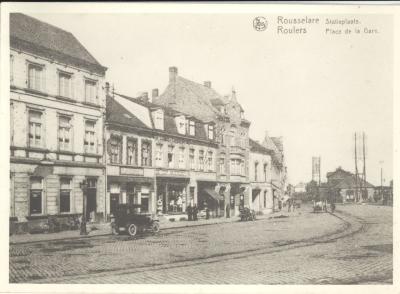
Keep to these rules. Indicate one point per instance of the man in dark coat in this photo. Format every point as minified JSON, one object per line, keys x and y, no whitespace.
{"x":189,"y":211}
{"x":195,"y":211}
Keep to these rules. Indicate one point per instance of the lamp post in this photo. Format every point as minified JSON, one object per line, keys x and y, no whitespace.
{"x":83,"y":185}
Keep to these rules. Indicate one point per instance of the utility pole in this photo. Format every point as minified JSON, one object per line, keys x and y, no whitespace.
{"x":355,"y":160}
{"x":364,"y":169}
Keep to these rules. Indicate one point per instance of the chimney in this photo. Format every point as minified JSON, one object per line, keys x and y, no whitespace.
{"x":207,"y":84}
{"x":173,"y":73}
{"x":107,"y":88}
{"x":154,"y":93}
{"x":233,"y":97}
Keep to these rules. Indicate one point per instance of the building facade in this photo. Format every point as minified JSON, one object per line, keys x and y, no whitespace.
{"x":345,"y":187}
{"x":159,"y":158}
{"x":56,"y":123}
{"x":231,"y":134}
{"x":260,"y":178}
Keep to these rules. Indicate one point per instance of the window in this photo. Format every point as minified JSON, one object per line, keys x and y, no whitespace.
{"x":146,"y":153}
{"x":91,"y":91}
{"x":159,"y":155}
{"x":35,"y":129}
{"x":211,"y":132}
{"x":35,"y":199}
{"x":89,"y":141}
{"x":116,"y":149}
{"x":222,"y":165}
{"x":131,"y":152}
{"x":201,"y":159}
{"x":191,"y":159}
{"x":181,"y":157}
{"x":170,"y":156}
{"x":35,"y":77}
{"x":64,"y":133}
{"x":64,"y":84}
{"x":210,"y":160}
{"x":265,"y":172}
{"x":65,"y":195}
{"x":256,"y":171}
{"x":191,"y":128}
{"x":237,"y":167}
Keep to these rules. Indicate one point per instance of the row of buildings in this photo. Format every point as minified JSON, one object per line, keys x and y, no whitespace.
{"x":189,"y":145}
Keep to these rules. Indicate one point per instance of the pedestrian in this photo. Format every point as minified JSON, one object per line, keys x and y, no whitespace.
{"x":195,"y":211}
{"x":289,"y":204}
{"x":189,"y":211}
{"x":228,"y":211}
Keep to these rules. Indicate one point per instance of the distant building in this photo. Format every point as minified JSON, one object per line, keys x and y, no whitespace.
{"x":260,"y":178}
{"x":57,"y":104}
{"x":300,"y":188}
{"x":344,"y":186}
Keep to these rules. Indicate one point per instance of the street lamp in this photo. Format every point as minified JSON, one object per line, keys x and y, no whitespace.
{"x":83,"y":185}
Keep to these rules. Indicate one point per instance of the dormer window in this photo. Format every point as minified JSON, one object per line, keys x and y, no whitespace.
{"x":211,"y":132}
{"x":180,"y":122}
{"x":191,"y":128}
{"x":158,"y":118}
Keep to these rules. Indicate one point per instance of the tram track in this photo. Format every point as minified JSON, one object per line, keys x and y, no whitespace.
{"x":351,"y":225}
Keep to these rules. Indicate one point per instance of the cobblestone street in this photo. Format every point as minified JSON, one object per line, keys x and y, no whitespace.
{"x":353,"y":246}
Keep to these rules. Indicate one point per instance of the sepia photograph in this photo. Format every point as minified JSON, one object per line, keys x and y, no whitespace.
{"x":240,"y":146}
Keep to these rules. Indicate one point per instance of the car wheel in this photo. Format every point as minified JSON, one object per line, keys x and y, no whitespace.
{"x":132,"y":230}
{"x":155,"y":227}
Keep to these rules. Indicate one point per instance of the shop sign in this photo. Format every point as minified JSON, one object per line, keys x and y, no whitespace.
{"x":172,"y":173}
{"x":206,"y":176}
{"x":131,"y":171}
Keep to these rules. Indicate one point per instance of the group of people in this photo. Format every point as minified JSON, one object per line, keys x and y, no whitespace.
{"x":192,"y":212}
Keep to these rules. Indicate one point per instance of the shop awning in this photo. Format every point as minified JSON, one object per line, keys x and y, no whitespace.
{"x":212,"y":193}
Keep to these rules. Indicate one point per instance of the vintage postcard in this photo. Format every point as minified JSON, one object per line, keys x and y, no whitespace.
{"x":196,"y":148}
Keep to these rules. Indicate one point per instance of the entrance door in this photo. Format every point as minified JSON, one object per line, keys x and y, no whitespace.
{"x":114,"y":201}
{"x":91,"y":204}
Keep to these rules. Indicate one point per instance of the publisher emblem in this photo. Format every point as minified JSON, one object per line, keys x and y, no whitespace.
{"x":260,"y":23}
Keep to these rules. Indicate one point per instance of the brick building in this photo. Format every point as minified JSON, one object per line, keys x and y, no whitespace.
{"x":231,"y":132}
{"x":56,"y":110}
{"x":158,"y":157}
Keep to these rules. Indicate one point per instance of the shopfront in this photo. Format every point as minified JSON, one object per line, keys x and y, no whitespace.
{"x":173,"y":193}
{"x":209,"y":198}
{"x":132,"y":191}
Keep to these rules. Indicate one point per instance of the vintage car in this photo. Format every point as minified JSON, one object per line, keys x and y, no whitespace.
{"x":127,"y":218}
{"x":247,"y":214}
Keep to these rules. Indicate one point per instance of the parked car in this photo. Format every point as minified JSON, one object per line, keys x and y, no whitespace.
{"x":128,"y":219}
{"x":247,"y":214}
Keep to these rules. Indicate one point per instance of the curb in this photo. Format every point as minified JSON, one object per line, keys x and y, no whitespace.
{"x":232,"y":220}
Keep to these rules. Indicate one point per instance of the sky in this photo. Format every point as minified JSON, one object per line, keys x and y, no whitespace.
{"x":315,"y":89}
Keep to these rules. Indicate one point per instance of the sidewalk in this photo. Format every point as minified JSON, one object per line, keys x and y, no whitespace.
{"x":95,"y":230}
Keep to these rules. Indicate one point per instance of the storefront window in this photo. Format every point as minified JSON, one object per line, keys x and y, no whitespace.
{"x":65,"y":195}
{"x":35,"y":200}
{"x":176,"y":198}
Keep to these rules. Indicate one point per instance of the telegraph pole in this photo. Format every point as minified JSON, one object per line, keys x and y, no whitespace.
{"x":355,"y":161}
{"x":364,"y":169}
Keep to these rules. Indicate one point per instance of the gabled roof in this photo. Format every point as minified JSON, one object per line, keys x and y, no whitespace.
{"x":40,"y":38}
{"x":257,"y":147}
{"x":116,"y":113}
{"x":278,"y":142}
{"x":119,"y":114}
